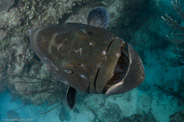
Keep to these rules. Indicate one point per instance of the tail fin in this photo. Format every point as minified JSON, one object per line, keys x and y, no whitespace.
{"x":98,"y":17}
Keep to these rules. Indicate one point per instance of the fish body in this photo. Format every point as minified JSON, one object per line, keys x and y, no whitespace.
{"x":88,"y":58}
{"x":85,"y":57}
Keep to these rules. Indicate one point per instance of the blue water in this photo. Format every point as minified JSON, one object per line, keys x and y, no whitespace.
{"x":146,"y":103}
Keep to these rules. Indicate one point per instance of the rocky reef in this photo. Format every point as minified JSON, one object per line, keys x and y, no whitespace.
{"x":136,"y":21}
{"x":177,"y":117}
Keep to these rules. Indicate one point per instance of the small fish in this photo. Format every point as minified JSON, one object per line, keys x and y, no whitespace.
{"x":88,"y":58}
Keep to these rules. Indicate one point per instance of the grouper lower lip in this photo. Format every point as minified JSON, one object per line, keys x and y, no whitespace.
{"x":135,"y":74}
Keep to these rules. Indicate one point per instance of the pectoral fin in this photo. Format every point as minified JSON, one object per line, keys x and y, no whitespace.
{"x":71,"y":94}
{"x":98,"y":17}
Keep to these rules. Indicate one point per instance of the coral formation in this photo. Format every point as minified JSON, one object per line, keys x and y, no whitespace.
{"x":140,"y":118}
{"x":178,"y":36}
{"x":5,"y":5}
{"x":177,"y":117}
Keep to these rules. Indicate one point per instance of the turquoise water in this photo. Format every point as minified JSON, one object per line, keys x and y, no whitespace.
{"x":155,"y":100}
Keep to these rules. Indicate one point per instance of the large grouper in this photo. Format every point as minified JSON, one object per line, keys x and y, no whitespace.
{"x":88,"y":58}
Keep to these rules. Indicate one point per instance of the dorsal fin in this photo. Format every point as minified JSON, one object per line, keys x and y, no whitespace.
{"x":71,"y":94}
{"x":98,"y":17}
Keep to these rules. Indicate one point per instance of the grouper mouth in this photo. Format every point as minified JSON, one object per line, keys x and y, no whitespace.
{"x":128,"y":72}
{"x":114,"y":68}
{"x":120,"y":71}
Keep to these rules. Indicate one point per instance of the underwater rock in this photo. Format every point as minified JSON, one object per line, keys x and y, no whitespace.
{"x":6,"y":4}
{"x":11,"y":114}
{"x":64,"y":114}
{"x":140,"y":118}
{"x":177,"y":117}
{"x":2,"y":35}
{"x":112,"y":113}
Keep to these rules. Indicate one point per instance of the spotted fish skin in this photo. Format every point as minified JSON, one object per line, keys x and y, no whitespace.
{"x":89,"y":59}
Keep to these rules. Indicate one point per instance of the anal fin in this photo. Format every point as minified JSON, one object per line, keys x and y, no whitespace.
{"x":71,"y":94}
